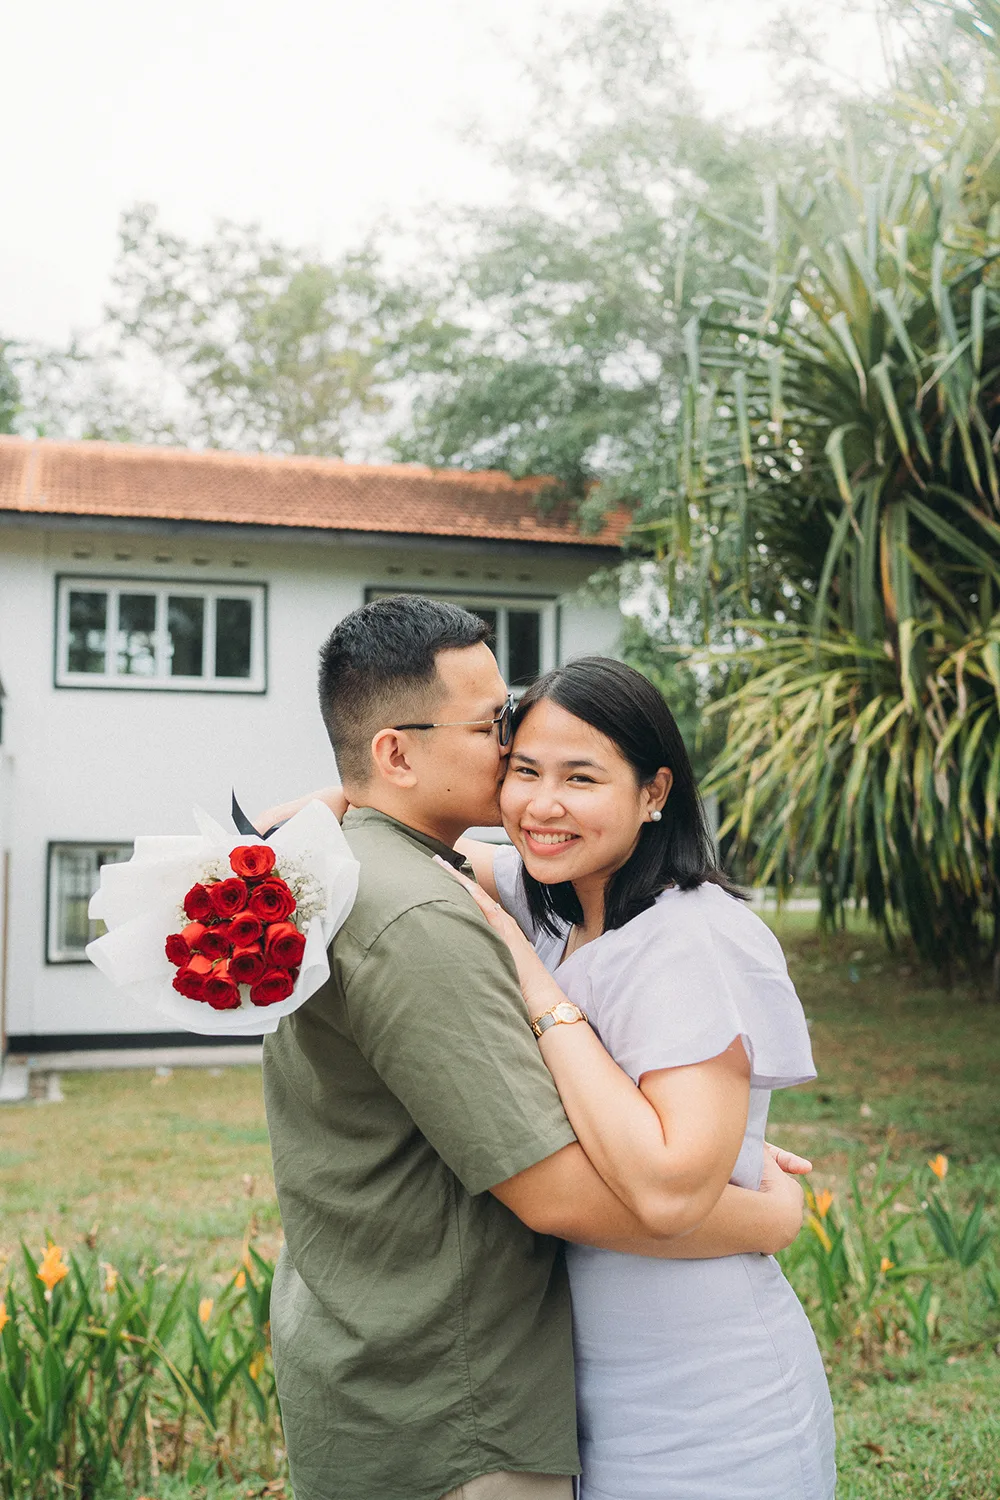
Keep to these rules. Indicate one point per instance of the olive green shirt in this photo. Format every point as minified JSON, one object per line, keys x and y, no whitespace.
{"x":421,"y":1332}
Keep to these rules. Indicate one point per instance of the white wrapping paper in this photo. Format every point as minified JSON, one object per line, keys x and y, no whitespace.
{"x":138,"y":903}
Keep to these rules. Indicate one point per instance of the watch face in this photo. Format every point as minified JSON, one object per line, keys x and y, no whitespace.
{"x":565,"y":1011}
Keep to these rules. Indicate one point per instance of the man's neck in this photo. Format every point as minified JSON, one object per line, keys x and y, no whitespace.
{"x":410,"y":817}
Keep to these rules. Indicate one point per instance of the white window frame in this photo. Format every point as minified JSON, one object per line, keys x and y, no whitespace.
{"x":161,"y":680}
{"x":547,"y":610}
{"x":56,"y":950}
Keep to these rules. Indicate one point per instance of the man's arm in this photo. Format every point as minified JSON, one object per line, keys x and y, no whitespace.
{"x":564,"y":1196}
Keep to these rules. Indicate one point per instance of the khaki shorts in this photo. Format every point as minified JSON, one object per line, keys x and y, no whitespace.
{"x":507,"y":1486}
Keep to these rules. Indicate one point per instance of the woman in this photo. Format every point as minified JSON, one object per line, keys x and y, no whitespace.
{"x":700,"y":1379}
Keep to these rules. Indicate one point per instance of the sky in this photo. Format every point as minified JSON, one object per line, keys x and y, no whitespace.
{"x":315,"y":118}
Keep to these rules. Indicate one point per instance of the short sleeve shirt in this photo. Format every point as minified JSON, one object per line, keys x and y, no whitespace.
{"x":421,"y":1332}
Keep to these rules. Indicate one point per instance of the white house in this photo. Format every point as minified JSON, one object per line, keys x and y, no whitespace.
{"x":160,"y":614}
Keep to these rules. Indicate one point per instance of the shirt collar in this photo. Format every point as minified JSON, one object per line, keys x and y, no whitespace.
{"x":359,"y":817}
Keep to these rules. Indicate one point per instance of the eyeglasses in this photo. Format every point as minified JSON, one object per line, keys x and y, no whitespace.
{"x":504,"y":722}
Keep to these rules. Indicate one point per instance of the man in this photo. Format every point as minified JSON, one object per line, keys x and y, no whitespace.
{"x":423,"y":1162}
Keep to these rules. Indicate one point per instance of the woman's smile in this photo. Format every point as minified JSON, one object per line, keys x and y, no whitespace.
{"x":546,"y":842}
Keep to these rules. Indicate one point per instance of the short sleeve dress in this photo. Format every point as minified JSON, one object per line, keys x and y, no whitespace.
{"x":698,"y":1379}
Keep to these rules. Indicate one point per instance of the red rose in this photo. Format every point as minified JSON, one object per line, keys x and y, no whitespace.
{"x":284,"y":945}
{"x":177,"y":949}
{"x":214,"y":942}
{"x":272,"y":901}
{"x":220,"y":994}
{"x":199,"y":964}
{"x":246,"y":965}
{"x":245,"y":929}
{"x":191,"y":933}
{"x":274,"y":985}
{"x":252,"y":860}
{"x":198,"y":904}
{"x":228,"y":896}
{"x":189,"y":983}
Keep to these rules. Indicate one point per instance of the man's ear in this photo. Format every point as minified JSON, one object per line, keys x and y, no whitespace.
{"x":391,"y":762}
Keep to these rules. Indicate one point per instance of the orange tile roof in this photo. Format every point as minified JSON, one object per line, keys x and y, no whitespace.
{"x":117,"y":479}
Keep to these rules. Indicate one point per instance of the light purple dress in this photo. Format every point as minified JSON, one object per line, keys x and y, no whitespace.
{"x":696,"y":1379}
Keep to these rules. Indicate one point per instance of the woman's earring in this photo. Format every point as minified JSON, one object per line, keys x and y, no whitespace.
{"x":655,"y":815}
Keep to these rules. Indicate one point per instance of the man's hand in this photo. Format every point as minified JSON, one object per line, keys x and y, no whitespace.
{"x":785,"y":1196}
{"x":333,"y":796}
{"x":797,"y":1166}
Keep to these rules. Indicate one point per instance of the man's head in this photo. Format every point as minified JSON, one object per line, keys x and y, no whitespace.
{"x":410,"y":660}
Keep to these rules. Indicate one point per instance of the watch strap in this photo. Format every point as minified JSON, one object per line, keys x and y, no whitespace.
{"x":570,"y":1015}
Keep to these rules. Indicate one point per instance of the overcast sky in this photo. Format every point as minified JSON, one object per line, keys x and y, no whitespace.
{"x":313,"y":117}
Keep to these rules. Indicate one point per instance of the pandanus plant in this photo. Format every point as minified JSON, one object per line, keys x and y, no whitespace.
{"x":841,"y":421}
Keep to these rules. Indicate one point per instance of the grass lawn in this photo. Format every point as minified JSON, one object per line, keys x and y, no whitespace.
{"x":171,"y":1169}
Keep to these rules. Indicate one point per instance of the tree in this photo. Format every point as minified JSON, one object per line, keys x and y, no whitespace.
{"x":269,"y":348}
{"x":10,"y":391}
{"x":841,"y":414}
{"x":565,"y":353}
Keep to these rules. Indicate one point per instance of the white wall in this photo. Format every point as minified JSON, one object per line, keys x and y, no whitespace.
{"x":93,"y":765}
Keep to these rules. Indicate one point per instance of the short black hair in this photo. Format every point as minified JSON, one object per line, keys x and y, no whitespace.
{"x":627,"y":709}
{"x":378,"y":664}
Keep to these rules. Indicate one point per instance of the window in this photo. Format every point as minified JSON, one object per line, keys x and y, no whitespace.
{"x":74,"y":875}
{"x":522,"y":631}
{"x":127,"y":634}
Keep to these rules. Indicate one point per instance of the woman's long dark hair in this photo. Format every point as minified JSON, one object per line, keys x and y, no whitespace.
{"x":627,"y":709}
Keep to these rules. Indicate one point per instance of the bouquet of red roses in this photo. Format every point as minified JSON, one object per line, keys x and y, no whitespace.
{"x":246,"y":935}
{"x":223,"y":935}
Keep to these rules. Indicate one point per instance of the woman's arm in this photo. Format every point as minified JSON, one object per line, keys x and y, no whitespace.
{"x":333,"y":796}
{"x":666,"y":1149}
{"x":480,"y":857}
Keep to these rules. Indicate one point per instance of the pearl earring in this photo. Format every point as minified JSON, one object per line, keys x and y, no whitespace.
{"x":655,"y":815}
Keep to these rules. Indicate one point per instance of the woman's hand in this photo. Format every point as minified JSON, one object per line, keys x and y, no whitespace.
{"x":333,"y":796}
{"x":537,"y":983}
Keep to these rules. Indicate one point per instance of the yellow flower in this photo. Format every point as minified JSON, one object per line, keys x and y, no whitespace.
{"x":205,"y":1309}
{"x":52,"y":1268}
{"x":824,"y":1202}
{"x":939,"y":1166}
{"x":110,"y":1277}
{"x":4,"y":1316}
{"x":887,"y":1264}
{"x":255,"y":1369}
{"x":240,"y":1281}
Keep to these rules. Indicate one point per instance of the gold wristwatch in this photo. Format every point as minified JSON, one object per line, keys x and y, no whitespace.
{"x":563,"y":1014}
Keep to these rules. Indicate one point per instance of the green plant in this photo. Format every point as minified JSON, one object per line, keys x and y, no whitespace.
{"x":99,"y":1375}
{"x":876,"y":1289}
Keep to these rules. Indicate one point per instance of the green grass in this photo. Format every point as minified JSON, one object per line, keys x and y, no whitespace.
{"x":170,"y":1170}
{"x":161,"y":1169}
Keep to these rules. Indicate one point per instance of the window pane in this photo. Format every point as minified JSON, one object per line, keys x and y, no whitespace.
{"x":75,"y":888}
{"x":136,"y":653}
{"x":186,"y":628}
{"x":74,"y":879}
{"x":88,"y":625}
{"x":233,"y":622}
{"x":523,"y":646}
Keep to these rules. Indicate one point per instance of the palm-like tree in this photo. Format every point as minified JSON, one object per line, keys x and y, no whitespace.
{"x":843,"y":419}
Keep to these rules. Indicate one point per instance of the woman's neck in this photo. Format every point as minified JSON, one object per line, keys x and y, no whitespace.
{"x":590,"y":895}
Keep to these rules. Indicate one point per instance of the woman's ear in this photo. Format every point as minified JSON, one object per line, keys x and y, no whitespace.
{"x":390,"y":759}
{"x":657,"y":791}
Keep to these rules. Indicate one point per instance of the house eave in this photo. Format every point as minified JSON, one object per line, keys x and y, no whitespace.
{"x":595,"y":553}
